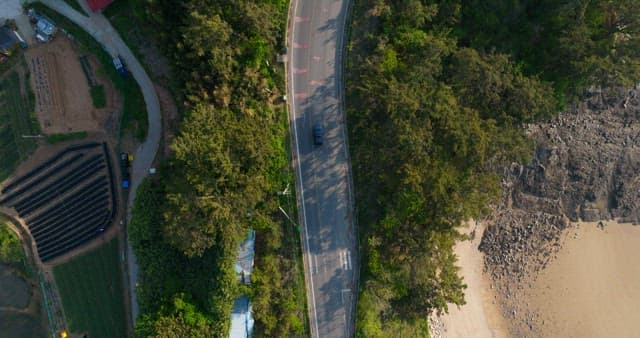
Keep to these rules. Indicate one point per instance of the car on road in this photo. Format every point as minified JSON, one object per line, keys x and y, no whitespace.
{"x":125,"y":163}
{"x":120,"y":67}
{"x":124,"y":160}
{"x":318,"y":134}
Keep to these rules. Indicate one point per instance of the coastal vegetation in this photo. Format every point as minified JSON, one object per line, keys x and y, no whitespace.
{"x":439,"y":94}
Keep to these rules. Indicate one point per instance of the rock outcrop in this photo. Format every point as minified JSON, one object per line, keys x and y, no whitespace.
{"x":586,"y":167}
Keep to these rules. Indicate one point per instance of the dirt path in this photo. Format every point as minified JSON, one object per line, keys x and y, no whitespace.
{"x":480,"y":317}
{"x":592,"y":288}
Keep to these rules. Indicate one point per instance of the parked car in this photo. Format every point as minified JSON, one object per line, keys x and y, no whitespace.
{"x":120,"y":66}
{"x":124,"y":160}
{"x":125,"y":163}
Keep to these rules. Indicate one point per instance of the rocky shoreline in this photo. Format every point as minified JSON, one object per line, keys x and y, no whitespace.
{"x":586,"y":168}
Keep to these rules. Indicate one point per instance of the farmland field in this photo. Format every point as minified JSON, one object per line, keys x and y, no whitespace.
{"x":21,"y":313}
{"x":17,"y":118}
{"x":91,"y":290}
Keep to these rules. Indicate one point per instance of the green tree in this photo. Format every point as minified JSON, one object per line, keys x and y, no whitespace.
{"x":223,"y":178}
{"x":491,"y":84}
{"x":10,"y":246}
{"x":428,"y":121}
{"x":181,"y":319}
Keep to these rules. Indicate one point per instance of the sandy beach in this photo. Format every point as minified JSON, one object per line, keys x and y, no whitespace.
{"x":481,"y":316}
{"x":592,"y":287}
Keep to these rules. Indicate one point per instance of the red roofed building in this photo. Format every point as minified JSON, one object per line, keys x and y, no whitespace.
{"x":98,"y":5}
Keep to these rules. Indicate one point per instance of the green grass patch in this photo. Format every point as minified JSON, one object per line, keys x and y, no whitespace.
{"x":91,"y":290}
{"x":75,"y":5}
{"x":56,"y":138}
{"x":17,"y":118}
{"x":134,"y":110}
{"x":10,"y":248}
{"x":97,"y":96}
{"x":134,"y":115}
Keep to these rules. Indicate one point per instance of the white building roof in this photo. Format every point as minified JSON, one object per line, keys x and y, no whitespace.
{"x":241,"y":319}
{"x":244,"y":260}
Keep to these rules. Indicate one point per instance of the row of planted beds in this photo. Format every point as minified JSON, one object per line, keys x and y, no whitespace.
{"x":67,"y":200}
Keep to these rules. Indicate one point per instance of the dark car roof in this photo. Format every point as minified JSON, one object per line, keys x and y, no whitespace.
{"x":317,"y":134}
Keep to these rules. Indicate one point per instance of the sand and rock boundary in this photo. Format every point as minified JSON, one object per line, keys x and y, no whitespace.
{"x":586,"y":168}
{"x":558,"y":251}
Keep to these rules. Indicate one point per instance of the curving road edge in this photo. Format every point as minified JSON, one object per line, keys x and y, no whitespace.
{"x":315,"y":40}
{"x":101,"y":30}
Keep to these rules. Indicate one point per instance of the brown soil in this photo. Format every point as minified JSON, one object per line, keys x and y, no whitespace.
{"x":63,"y":102}
{"x":109,"y":116}
{"x":31,"y":321}
{"x":15,"y":291}
{"x":169,"y":118}
{"x":21,"y":308}
{"x":591,"y":289}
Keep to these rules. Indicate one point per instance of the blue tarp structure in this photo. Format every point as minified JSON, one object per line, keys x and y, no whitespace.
{"x":241,"y":319}
{"x":244,"y":261}
{"x":241,"y":316}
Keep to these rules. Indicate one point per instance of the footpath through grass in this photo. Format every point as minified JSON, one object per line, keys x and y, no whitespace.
{"x":91,"y":290}
{"x":17,"y":118}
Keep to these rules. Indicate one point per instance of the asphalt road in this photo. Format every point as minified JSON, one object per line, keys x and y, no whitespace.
{"x":316,"y":35}
{"x":100,"y":28}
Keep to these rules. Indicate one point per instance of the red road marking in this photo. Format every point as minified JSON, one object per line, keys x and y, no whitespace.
{"x":300,"y":95}
{"x":314,"y":83}
{"x":316,"y":58}
{"x":300,"y":45}
{"x":299,"y":70}
{"x":298,"y":19}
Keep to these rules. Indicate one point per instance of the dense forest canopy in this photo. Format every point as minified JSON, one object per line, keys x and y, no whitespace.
{"x":228,"y":161}
{"x":575,"y":43}
{"x":438,"y":97}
